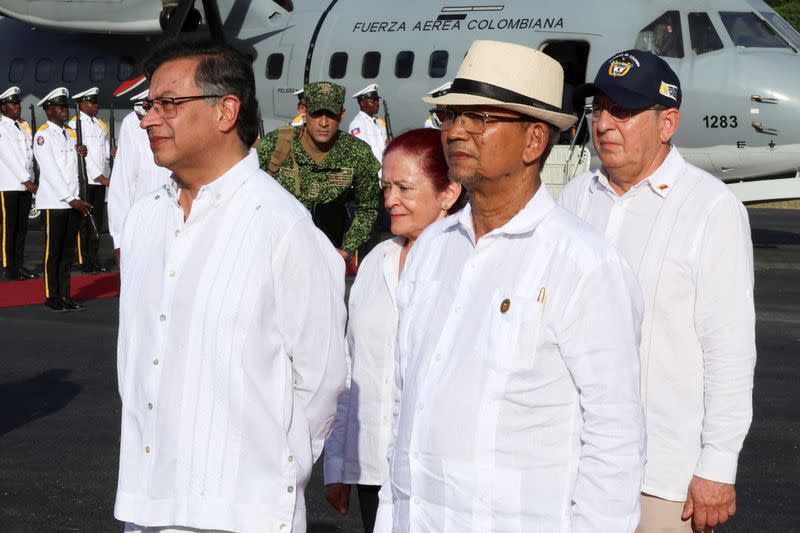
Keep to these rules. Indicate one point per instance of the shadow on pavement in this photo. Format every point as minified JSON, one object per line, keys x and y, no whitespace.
{"x":26,"y":400}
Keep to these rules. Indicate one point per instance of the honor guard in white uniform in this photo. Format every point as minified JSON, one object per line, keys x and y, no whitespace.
{"x":301,"y":102}
{"x":16,"y":184}
{"x":95,"y":138}
{"x":56,"y":151}
{"x":367,"y":126}
{"x":135,"y":172}
{"x":431,"y":121}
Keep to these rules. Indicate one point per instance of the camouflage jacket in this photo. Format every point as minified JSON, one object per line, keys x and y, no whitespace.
{"x":349,"y":172}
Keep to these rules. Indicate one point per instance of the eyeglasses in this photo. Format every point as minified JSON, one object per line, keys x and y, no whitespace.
{"x":166,"y":107}
{"x":471,"y":121}
{"x":618,"y":114}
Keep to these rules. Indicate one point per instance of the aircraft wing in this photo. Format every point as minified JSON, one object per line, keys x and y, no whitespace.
{"x":96,"y":16}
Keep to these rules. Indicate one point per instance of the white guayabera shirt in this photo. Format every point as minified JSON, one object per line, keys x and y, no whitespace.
{"x":518,"y":378}
{"x":687,"y":238}
{"x":135,"y":174}
{"x":231,"y":356}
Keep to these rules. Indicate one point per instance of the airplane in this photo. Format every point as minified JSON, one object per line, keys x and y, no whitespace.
{"x":738,"y":60}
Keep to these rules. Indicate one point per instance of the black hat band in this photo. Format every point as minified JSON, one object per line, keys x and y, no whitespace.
{"x":507,"y":96}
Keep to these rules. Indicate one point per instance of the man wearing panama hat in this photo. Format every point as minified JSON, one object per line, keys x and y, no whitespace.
{"x":518,"y":363}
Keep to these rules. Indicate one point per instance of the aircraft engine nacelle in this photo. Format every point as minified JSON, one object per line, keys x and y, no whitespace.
{"x":95,"y":16}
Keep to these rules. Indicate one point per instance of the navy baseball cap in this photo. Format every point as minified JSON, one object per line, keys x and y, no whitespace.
{"x":635,"y":79}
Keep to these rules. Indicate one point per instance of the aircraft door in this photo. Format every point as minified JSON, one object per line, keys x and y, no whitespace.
{"x":568,"y":158}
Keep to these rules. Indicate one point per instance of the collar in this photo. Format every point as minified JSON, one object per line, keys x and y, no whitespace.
{"x":661,"y":181}
{"x":222,"y":188}
{"x":7,"y":120}
{"x":526,"y":221}
{"x":391,"y":265}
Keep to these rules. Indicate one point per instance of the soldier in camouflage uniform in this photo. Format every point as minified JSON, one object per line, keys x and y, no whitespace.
{"x":326,"y":168}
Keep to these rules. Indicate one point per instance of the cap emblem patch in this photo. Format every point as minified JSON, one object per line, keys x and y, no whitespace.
{"x":668,"y":90}
{"x":619,"y":69}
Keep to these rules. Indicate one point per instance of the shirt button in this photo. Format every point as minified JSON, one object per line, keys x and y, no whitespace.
{"x":290,"y":458}
{"x":172,"y":273}
{"x":177,"y":231}
{"x":150,"y":406}
{"x":415,"y":500}
{"x":284,"y":527}
{"x":163,"y":318}
{"x":420,"y":407}
{"x":290,"y":489}
{"x":155,"y":361}
{"x":147,"y":449}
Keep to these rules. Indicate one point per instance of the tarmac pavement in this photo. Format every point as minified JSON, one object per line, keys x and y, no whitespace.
{"x":59,"y":420}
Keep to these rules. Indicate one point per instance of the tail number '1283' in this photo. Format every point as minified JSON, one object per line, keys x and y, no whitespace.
{"x":720,"y":121}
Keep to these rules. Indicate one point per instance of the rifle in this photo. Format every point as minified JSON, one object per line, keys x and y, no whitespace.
{"x":388,"y":119}
{"x":33,"y":134}
{"x":83,"y":181}
{"x":112,"y":139}
{"x":261,"y":132}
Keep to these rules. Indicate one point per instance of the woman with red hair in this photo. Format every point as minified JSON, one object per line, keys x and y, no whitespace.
{"x":417,"y":192}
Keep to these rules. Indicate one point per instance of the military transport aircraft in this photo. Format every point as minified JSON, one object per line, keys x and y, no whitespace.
{"x":738,"y":60}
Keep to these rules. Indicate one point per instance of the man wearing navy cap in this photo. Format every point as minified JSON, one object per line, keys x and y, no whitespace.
{"x":688,"y":239}
{"x":16,"y":184}
{"x":95,"y":138}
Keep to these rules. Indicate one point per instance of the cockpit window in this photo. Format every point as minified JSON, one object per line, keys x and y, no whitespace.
{"x":702,"y":34}
{"x":663,"y":36}
{"x":786,"y":30}
{"x":748,"y":30}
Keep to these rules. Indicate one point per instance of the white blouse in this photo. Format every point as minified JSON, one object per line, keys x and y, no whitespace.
{"x":356,"y":450}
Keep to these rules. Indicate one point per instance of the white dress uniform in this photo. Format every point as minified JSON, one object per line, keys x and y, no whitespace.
{"x":16,"y":168}
{"x":54,"y":149}
{"x":16,"y":154}
{"x":95,"y":138}
{"x":135,"y":174}
{"x":372,"y":130}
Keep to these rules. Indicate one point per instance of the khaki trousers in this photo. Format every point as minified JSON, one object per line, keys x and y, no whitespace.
{"x":661,"y":516}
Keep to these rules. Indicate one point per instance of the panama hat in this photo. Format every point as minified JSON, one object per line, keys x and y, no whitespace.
{"x":511,"y":77}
